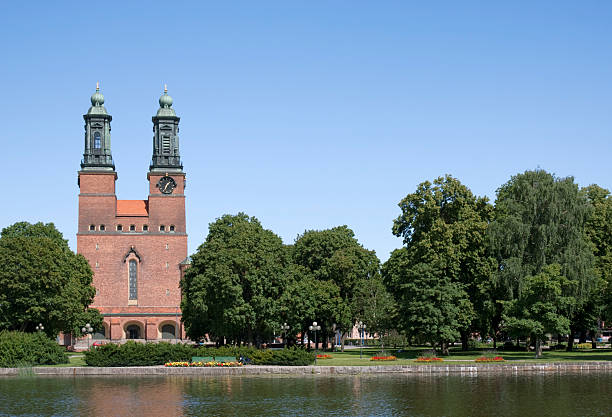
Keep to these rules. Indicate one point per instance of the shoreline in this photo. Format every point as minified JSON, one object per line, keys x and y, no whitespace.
{"x":433,"y":369}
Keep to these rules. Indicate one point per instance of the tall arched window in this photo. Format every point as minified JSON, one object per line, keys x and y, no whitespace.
{"x":133,"y":284}
{"x":97,"y":140}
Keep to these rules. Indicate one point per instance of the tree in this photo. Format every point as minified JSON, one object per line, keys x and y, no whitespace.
{"x":539,"y":221}
{"x":431,"y":307}
{"x":444,"y":229}
{"x":334,"y":255}
{"x":599,"y":233}
{"x":43,"y":281}
{"x":307,"y":299}
{"x":375,"y":306}
{"x":540,"y":307}
{"x":232,"y":289}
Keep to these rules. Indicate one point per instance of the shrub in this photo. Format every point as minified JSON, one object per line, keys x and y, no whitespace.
{"x":149,"y":354}
{"x":138,"y":354}
{"x":289,"y":357}
{"x":29,"y":349}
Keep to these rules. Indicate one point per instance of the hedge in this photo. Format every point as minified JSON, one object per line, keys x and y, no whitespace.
{"x":149,"y":354}
{"x":29,"y":349}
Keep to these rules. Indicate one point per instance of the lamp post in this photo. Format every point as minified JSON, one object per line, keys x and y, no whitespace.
{"x":361,"y":326}
{"x":40,"y":327}
{"x":314,"y":329}
{"x":284,"y":328}
{"x":87,"y":330}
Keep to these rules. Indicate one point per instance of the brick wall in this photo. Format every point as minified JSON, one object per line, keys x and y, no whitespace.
{"x":157,"y":254}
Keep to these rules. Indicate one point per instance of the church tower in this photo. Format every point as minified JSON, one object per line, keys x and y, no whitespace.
{"x":166,"y":155}
{"x":97,"y":155}
{"x":136,"y":248}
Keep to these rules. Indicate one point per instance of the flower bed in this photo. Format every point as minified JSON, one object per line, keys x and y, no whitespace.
{"x":383,"y":358}
{"x":489,"y":359}
{"x":323,"y":356}
{"x":429,"y":359}
{"x":202,"y":364}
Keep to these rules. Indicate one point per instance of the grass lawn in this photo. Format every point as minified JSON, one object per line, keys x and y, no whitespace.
{"x":408,"y":356}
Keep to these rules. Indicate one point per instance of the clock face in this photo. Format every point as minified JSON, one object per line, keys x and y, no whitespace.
{"x":166,"y":185}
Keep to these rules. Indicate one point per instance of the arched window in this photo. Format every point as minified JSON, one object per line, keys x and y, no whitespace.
{"x":97,"y":144}
{"x":132,"y":332}
{"x":133,"y":284}
{"x":168,"y":331}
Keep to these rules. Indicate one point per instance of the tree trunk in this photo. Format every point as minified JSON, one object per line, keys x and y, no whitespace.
{"x":538,"y":348}
{"x":570,"y":340}
{"x":593,"y":339}
{"x":444,"y":348}
{"x":582,"y":336}
{"x":342,"y":338}
{"x":494,"y":341}
{"x":464,"y":340}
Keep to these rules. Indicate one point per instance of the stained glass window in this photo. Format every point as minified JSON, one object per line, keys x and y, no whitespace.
{"x":133,"y":281}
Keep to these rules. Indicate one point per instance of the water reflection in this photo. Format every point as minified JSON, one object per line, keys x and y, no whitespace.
{"x":384,"y":395}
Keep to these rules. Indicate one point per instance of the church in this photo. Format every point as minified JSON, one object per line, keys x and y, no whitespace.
{"x":137,"y":249}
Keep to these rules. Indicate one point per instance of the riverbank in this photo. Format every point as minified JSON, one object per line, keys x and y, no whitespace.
{"x":429,"y":369}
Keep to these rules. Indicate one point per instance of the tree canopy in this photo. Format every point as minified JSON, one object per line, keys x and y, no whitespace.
{"x":236,"y":278}
{"x":441,"y":277}
{"x":43,"y":281}
{"x":334,"y":256}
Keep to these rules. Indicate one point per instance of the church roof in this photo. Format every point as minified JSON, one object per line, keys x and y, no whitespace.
{"x":132,"y":208}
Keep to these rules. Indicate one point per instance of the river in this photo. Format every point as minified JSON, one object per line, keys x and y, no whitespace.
{"x":585,"y":394}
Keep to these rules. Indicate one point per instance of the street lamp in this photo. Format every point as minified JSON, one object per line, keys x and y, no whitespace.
{"x":87,"y":330}
{"x":40,"y":327}
{"x":361,"y":326}
{"x":314,"y":329}
{"x":284,"y":329}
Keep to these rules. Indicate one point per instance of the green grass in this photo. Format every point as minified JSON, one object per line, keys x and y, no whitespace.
{"x":408,"y":356}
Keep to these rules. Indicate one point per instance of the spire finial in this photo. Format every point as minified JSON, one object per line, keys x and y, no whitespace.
{"x":165,"y":88}
{"x":97,"y":85}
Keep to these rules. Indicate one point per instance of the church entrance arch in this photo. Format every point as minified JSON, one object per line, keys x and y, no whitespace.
{"x":168,"y":331}
{"x":134,"y":331}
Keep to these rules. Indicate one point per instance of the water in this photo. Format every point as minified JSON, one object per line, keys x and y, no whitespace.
{"x":587,"y":394}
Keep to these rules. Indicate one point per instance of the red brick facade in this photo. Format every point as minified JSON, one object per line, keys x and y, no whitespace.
{"x":151,"y":236}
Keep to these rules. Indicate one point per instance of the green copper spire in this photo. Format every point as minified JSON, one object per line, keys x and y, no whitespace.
{"x":165,"y":104}
{"x":97,"y":102}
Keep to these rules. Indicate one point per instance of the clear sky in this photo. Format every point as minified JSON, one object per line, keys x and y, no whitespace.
{"x":307,"y":114}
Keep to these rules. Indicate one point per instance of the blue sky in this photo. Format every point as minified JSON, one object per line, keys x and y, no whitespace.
{"x":306,"y":115}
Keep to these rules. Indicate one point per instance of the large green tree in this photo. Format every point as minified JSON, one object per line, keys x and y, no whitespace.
{"x":540,"y":220}
{"x":599,"y":233}
{"x":540,"y":307}
{"x":232,"y":289}
{"x":43,"y":281}
{"x":442,"y":277}
{"x":335,"y":256}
